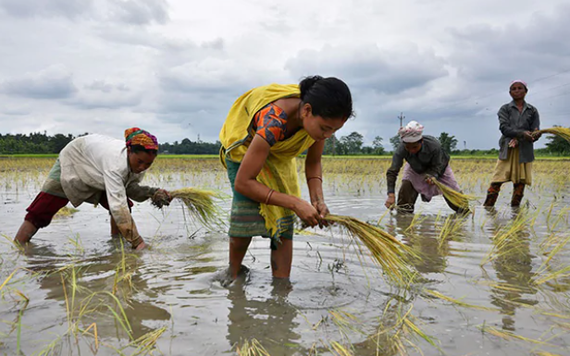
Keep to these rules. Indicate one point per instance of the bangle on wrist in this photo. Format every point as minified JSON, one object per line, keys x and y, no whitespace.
{"x":268,"y":196}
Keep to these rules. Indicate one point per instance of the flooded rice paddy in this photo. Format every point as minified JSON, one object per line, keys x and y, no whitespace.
{"x":493,"y":283}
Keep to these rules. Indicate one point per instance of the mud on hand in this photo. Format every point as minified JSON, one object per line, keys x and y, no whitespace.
{"x":161,"y":198}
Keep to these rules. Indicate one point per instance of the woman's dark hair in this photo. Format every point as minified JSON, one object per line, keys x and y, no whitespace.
{"x":329,"y":97}
{"x":141,"y":148}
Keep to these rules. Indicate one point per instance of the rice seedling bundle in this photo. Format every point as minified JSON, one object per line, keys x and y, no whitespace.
{"x":387,"y":251}
{"x":200,"y":204}
{"x":456,"y":198}
{"x":563,"y":132}
{"x":251,"y":348}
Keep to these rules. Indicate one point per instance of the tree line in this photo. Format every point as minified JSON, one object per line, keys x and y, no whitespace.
{"x":351,"y":144}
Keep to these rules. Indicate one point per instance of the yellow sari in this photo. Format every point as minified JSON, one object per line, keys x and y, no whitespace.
{"x":280,"y":170}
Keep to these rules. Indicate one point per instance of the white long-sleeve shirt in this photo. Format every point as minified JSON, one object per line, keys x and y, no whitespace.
{"x":93,"y":164}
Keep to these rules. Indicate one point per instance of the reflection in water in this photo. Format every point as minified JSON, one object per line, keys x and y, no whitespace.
{"x":94,"y":286}
{"x":513,"y":265}
{"x":422,"y":235}
{"x":271,"y":322}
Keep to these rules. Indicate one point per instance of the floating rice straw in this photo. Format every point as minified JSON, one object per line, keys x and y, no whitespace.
{"x":251,"y":348}
{"x":200,"y":204}
{"x":456,"y":198}
{"x":387,"y":251}
{"x":563,"y":132}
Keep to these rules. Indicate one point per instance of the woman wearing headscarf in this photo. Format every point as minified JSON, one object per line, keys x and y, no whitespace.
{"x":264,"y":132}
{"x":518,"y":121}
{"x":99,"y":170}
{"x":426,"y":161}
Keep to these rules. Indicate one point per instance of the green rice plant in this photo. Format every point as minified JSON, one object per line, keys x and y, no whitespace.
{"x":94,"y":334}
{"x":458,"y":302}
{"x":507,"y":240}
{"x":387,"y":251}
{"x":65,"y":212}
{"x":544,"y":277}
{"x":451,"y":229}
{"x":417,"y":219}
{"x":200,"y":205}
{"x":407,"y":331}
{"x":251,"y":348}
{"x":456,"y":198}
{"x":545,"y":273}
{"x":146,"y":343}
{"x":563,"y":132}
{"x":345,"y":321}
{"x":339,"y":350}
{"x":509,"y":335}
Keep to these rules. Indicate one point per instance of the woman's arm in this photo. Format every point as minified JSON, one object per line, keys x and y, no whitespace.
{"x":119,"y":208}
{"x":247,"y":184}
{"x":314,"y":175}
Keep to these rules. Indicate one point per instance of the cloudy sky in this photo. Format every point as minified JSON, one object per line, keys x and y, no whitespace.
{"x":174,"y":67}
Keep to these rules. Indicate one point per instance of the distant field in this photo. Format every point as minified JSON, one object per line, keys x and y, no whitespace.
{"x":209,"y":156}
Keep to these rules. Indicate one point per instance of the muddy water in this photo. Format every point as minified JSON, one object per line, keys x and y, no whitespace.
{"x":78,"y":279}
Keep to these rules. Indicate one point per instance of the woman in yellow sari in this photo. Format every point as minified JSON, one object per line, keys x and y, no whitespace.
{"x":266,"y":129}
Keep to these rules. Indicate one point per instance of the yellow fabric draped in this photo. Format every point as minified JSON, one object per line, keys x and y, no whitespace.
{"x":510,"y":170}
{"x":280,"y":169}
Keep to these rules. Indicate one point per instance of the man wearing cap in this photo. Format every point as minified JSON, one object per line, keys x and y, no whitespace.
{"x":426,"y":161}
{"x":518,"y":121}
{"x":99,"y":170}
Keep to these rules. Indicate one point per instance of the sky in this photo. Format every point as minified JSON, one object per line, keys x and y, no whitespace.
{"x":175,"y":67}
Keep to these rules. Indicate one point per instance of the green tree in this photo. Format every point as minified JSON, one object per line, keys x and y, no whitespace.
{"x":353,"y":142}
{"x":331,"y":146}
{"x":395,"y":142}
{"x":377,"y":146}
{"x":557,"y":145}
{"x":448,"y":143}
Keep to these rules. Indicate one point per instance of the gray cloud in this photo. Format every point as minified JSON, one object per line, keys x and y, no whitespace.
{"x":139,"y":12}
{"x":103,"y":86}
{"x":54,"y":82}
{"x":15,"y":112}
{"x":111,"y":100}
{"x":515,"y":50}
{"x":367,"y":67}
{"x":46,"y":8}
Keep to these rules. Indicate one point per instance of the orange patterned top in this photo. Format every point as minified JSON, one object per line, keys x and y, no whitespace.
{"x":271,"y":123}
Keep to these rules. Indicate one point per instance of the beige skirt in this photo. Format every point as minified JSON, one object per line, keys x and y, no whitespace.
{"x":510,"y":170}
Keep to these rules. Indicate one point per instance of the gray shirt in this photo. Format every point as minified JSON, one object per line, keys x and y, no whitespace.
{"x":513,"y":124}
{"x":431,"y":160}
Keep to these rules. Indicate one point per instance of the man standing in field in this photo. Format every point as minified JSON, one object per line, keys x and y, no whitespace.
{"x":99,"y":170}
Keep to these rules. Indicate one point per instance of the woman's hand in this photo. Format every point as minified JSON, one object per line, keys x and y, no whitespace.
{"x":527,"y":135}
{"x":307,"y":213}
{"x":390,"y":201}
{"x":536,"y":135}
{"x":323,"y":211}
{"x":513,"y":142}
{"x":161,"y":197}
{"x":430,"y":180}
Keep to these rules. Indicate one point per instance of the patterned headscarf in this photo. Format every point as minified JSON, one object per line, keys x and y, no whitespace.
{"x":412,"y":132}
{"x":519,"y":81}
{"x":136,"y":136}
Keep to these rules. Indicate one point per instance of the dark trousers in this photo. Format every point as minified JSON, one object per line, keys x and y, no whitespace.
{"x":407,"y":197}
{"x":45,"y":206}
{"x":495,"y":189}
